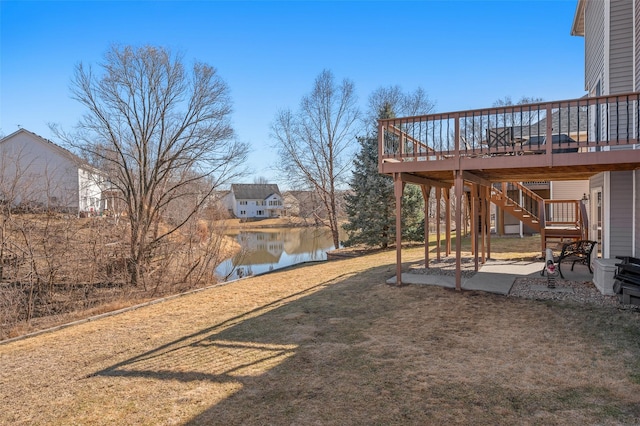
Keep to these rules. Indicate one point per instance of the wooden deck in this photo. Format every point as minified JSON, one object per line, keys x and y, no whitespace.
{"x":560,"y":140}
{"x":589,"y":136}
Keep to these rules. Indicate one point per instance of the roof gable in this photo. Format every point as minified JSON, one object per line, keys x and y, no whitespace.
{"x":577,"y":28}
{"x":63,"y":152}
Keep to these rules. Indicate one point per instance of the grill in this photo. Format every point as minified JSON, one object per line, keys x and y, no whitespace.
{"x":627,"y":280}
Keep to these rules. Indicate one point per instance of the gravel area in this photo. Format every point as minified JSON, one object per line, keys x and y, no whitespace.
{"x":531,"y":288}
{"x":565,"y":290}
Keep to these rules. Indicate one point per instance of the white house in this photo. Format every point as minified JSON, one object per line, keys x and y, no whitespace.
{"x":254,"y":200}
{"x":38,"y":173}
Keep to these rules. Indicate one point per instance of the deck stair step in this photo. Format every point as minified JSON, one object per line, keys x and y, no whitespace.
{"x":503,"y":200}
{"x":564,"y":229}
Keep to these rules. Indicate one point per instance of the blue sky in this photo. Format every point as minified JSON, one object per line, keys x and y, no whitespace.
{"x":465,"y":54}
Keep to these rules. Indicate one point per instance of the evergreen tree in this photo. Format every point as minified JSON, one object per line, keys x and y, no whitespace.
{"x":371,"y":205}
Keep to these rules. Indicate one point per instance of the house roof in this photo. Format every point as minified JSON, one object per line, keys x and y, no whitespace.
{"x":577,"y":29}
{"x":254,"y":191}
{"x":81,"y":163}
{"x":563,"y":120}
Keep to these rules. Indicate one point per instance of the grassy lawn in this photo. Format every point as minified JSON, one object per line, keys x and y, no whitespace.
{"x":330,"y":343}
{"x":506,"y":247}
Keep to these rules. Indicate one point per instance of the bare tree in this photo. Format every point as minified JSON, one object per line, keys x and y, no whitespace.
{"x":397,"y":103}
{"x":316,"y":142}
{"x":514,"y":116}
{"x":162,"y":133}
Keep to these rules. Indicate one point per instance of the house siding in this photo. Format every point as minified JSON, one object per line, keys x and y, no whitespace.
{"x":620,"y":213}
{"x":621,"y":47}
{"x":594,"y":44}
{"x":637,"y":44}
{"x":569,"y":190}
{"x":597,"y":181}
{"x":620,"y":66}
{"x":37,"y":173}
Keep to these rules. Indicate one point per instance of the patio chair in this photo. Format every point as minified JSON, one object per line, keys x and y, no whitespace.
{"x":500,"y":137}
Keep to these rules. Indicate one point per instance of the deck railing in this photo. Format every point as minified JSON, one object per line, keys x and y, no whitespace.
{"x":562,"y":213}
{"x":574,"y":126}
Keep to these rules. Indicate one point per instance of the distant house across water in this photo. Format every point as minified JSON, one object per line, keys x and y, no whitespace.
{"x":254,"y":200}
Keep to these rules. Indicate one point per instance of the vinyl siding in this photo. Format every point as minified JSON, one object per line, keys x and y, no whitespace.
{"x":637,"y":43}
{"x":621,"y":47}
{"x":620,"y":67}
{"x":37,"y":172}
{"x":621,"y":213}
{"x":594,"y":44}
{"x":596,"y":181}
{"x":569,"y":190}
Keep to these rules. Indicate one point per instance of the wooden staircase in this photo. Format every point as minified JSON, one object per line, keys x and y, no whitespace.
{"x":556,"y":220}
{"x":526,"y":210}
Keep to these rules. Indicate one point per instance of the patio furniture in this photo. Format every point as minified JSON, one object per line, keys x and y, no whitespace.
{"x":627,"y":284}
{"x":574,"y":252}
{"x":500,"y":137}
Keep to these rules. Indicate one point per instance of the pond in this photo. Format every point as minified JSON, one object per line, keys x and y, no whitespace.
{"x":275,"y":248}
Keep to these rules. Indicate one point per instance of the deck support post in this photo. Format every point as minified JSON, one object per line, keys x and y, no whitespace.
{"x":482,"y":196}
{"x":398,"y":188}
{"x":426,"y":192}
{"x":459,"y":183}
{"x":472,"y":218}
{"x":447,"y":198}
{"x":542,"y":218}
{"x":438,"y":200}
{"x":475,"y":222}
{"x":488,"y":197}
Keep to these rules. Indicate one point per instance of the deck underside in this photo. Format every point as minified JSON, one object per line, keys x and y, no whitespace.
{"x":520,"y":168}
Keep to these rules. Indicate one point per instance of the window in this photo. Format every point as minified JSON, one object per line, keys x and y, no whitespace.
{"x":260,"y":213}
{"x":243,"y":203}
{"x":243,"y":212}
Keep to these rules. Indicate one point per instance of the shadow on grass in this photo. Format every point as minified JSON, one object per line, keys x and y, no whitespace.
{"x":356,"y":351}
{"x":207,"y":354}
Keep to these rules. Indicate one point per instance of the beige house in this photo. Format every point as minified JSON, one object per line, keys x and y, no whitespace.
{"x":37,"y":173}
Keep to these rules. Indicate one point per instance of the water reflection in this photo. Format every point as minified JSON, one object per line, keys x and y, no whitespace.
{"x":271,"y":249}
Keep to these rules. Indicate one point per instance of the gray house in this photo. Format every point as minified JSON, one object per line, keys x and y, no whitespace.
{"x":611,"y":31}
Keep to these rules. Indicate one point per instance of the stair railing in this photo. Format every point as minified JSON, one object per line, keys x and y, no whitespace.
{"x":530,"y":200}
{"x":562,"y":213}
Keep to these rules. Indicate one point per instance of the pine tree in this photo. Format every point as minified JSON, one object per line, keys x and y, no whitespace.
{"x":371,"y":205}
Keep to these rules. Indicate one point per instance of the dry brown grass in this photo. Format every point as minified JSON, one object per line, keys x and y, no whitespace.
{"x":276,"y":222}
{"x":331,"y":344}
